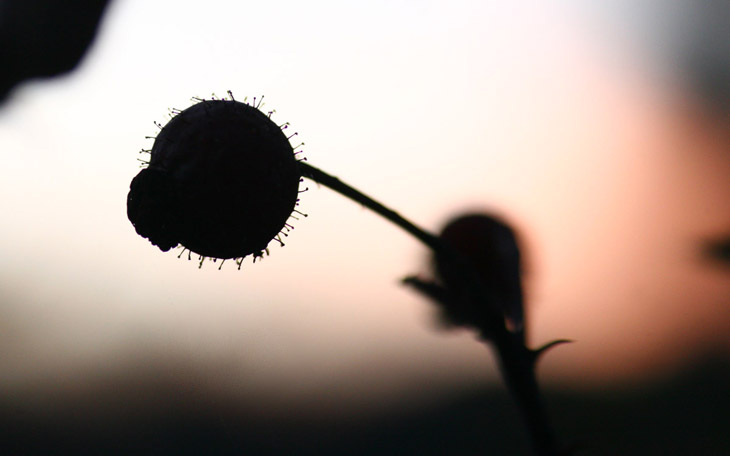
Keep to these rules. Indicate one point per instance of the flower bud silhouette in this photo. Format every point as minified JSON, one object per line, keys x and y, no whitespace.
{"x":490,"y":248}
{"x":222,"y":181}
{"x":477,"y":264}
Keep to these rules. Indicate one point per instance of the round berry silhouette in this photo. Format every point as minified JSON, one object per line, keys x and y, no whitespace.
{"x":222,"y":181}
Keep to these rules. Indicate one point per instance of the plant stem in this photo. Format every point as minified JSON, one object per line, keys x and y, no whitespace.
{"x":517,"y":362}
{"x":342,"y":188}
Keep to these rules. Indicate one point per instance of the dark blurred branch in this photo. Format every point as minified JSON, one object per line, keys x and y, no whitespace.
{"x":44,"y":38}
{"x":719,"y":250}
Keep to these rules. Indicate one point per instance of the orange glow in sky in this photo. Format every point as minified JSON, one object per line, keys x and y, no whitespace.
{"x":613,"y":174}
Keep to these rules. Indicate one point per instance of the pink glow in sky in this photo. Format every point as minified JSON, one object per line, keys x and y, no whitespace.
{"x":613,"y":173}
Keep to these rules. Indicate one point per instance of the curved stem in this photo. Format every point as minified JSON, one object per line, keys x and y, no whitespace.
{"x":517,"y":362}
{"x":342,"y":188}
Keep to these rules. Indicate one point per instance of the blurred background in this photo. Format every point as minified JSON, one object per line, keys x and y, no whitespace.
{"x":602,"y":133}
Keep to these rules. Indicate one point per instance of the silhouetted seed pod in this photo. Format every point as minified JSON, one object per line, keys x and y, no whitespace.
{"x":490,"y":247}
{"x":222,"y":181}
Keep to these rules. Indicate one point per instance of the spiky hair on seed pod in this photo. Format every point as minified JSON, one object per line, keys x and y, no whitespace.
{"x":222,"y":181}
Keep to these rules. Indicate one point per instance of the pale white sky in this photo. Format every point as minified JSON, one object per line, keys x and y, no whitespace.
{"x":432,"y":107}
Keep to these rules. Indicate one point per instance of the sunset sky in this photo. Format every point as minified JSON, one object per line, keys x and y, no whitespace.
{"x":581,"y":129}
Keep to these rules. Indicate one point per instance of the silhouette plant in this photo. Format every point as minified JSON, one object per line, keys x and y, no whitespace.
{"x":479,"y":286}
{"x":222,"y":180}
